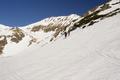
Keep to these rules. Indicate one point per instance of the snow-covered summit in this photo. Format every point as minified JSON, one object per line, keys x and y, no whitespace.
{"x":55,"y":20}
{"x":3,"y":26}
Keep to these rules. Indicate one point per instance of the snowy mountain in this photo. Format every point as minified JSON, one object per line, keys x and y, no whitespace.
{"x":14,"y":40}
{"x":20,"y":38}
{"x":41,"y":33}
{"x":64,"y":48}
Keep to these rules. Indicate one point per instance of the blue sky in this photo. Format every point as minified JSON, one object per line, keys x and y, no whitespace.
{"x":23,"y":12}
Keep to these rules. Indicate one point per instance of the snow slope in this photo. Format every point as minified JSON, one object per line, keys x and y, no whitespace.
{"x":92,"y":53}
{"x":88,"y":54}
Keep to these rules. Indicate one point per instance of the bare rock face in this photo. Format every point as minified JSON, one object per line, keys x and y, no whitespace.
{"x":37,"y":28}
{"x":17,"y":35}
{"x":3,"y":42}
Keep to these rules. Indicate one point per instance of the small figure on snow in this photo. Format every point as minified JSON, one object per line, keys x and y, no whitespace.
{"x":65,"y":33}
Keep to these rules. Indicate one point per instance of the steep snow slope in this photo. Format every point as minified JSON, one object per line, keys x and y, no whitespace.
{"x":88,"y":54}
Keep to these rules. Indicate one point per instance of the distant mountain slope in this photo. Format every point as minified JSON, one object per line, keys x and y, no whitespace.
{"x":15,"y":40}
{"x":20,"y":38}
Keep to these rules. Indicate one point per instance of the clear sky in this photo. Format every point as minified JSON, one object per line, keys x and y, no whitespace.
{"x":23,"y":12}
